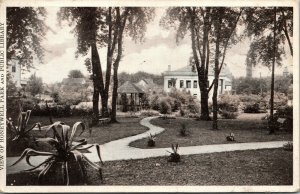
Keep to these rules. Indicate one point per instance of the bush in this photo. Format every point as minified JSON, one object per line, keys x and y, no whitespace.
{"x":285,"y":112}
{"x":164,"y":107}
{"x":149,"y":113}
{"x":251,"y":108}
{"x":229,"y":115}
{"x":280,"y":100}
{"x":154,"y":102}
{"x":228,"y":106}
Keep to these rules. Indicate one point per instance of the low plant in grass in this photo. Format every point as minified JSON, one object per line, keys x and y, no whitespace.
{"x":149,"y":113}
{"x":21,"y":130}
{"x":230,"y":137}
{"x":288,"y":146}
{"x":66,"y":164}
{"x":174,"y":156}
{"x":183,"y":130}
{"x":151,"y":140}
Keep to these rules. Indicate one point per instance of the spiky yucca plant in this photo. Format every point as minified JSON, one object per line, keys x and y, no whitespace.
{"x":174,"y":156}
{"x":230,"y":137}
{"x":21,"y":130}
{"x":66,"y":153}
{"x":151,"y":140}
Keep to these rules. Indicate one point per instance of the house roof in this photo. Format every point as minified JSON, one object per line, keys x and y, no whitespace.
{"x":187,"y":70}
{"x":130,"y":88}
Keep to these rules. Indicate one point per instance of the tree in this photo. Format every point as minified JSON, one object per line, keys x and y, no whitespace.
{"x":133,"y":20}
{"x":269,"y":27}
{"x":75,"y":74}
{"x":25,"y":32}
{"x":197,"y":21}
{"x":90,"y":30}
{"x":224,"y":22}
{"x":35,"y":85}
{"x":104,"y":27}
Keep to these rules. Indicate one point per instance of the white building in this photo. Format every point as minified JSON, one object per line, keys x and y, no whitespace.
{"x":186,"y":79}
{"x":15,"y":71}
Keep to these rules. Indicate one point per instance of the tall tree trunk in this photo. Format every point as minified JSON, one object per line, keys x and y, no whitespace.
{"x":216,"y":80}
{"x":202,"y":78}
{"x":114,"y":96}
{"x":121,"y":26}
{"x":272,"y":121}
{"x":97,"y":81}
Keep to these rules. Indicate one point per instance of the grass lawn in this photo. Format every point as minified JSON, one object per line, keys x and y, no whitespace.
{"x":253,"y":167}
{"x":246,"y":128}
{"x":101,"y":134}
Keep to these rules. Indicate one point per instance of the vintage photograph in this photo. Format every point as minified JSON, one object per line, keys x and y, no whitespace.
{"x":150,"y":95}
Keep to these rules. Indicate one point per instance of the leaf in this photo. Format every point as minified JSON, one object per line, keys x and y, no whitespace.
{"x":36,"y":167}
{"x":78,"y":145}
{"x":78,"y":158}
{"x":27,"y":117}
{"x":92,"y":164}
{"x":67,"y":173}
{"x":33,"y":126}
{"x":98,"y":152}
{"x":74,"y":129}
{"x":45,"y":170}
{"x":32,"y":152}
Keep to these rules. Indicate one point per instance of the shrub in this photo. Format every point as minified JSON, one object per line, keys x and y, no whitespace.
{"x":285,"y":112}
{"x":230,"y":137}
{"x":20,"y":130}
{"x":174,"y":156}
{"x":154,"y":102}
{"x":288,"y":146}
{"x":228,"y":106}
{"x":164,"y":107}
{"x":228,"y":114}
{"x":66,"y":158}
{"x":183,"y":130}
{"x":151,"y":140}
{"x":149,"y":113}
{"x":251,"y":108}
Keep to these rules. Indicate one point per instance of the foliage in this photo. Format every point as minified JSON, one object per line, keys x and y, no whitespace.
{"x":288,"y":146}
{"x":151,"y":140}
{"x":35,"y":85}
{"x":154,"y":102}
{"x":11,"y":89}
{"x":228,"y":106}
{"x":285,"y":112}
{"x":230,"y":137}
{"x":174,"y":156}
{"x":75,"y":73}
{"x":244,"y":85}
{"x":164,"y":107}
{"x":20,"y":130}
{"x":26,"y":30}
{"x":254,"y":103}
{"x":56,"y":97}
{"x":136,"y":77}
{"x":124,"y":102}
{"x":252,"y":108}
{"x":67,"y":156}
{"x":149,"y":113}
{"x":183,"y":130}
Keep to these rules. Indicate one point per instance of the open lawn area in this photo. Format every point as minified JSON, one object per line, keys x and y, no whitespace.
{"x":246,"y":128}
{"x":100,"y":134}
{"x":255,"y":167}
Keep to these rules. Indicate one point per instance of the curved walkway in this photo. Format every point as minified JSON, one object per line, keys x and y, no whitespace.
{"x":120,"y":149}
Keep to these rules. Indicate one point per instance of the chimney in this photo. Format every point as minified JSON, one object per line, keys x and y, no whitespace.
{"x":169,"y":67}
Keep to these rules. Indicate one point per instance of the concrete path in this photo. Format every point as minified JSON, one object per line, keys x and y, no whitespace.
{"x":120,"y":149}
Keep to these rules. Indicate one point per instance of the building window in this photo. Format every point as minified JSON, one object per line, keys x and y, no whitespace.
{"x":181,"y":83}
{"x":171,"y":83}
{"x":188,"y":83}
{"x":195,"y":83}
{"x":13,"y":69}
{"x":195,"y":95}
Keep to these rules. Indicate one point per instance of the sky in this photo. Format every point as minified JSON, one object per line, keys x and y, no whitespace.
{"x":153,"y":55}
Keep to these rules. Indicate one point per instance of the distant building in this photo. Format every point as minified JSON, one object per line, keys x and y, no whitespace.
{"x":15,"y":71}
{"x":186,"y":79}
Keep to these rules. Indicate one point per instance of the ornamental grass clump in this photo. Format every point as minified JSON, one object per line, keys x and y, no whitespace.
{"x":230,"y":137}
{"x":21,"y":130}
{"x":174,"y":156}
{"x":151,"y":140}
{"x":183,"y":130}
{"x":65,"y":165}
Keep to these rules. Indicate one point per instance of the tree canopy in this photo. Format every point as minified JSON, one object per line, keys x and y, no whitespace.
{"x":75,"y":74}
{"x":26,"y":30}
